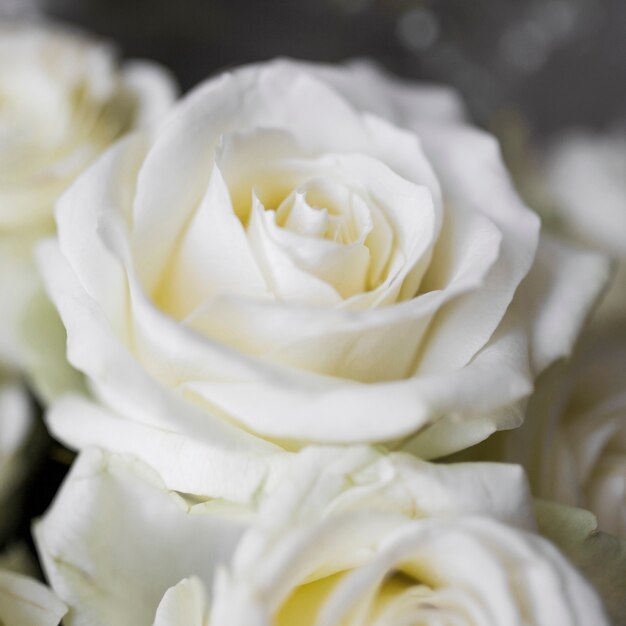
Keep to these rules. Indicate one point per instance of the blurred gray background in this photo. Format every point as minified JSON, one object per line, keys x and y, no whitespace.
{"x":553,"y":63}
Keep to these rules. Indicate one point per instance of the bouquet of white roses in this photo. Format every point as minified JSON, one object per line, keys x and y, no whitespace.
{"x":265,"y":316}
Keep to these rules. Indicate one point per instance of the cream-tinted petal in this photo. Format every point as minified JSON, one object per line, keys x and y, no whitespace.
{"x":185,"y":604}
{"x":26,"y":602}
{"x":114,"y":510}
{"x":213,"y":257}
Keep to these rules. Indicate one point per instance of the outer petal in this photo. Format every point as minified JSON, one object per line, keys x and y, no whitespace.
{"x":18,"y":284}
{"x":185,"y":604}
{"x":71,"y":100}
{"x":115,"y":540}
{"x":26,"y":602}
{"x":202,"y":467}
{"x":558,"y":296}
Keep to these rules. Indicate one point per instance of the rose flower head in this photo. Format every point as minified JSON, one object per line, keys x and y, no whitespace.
{"x":306,"y":254}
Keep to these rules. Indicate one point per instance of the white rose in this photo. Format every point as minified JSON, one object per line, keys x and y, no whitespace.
{"x":16,"y":433}
{"x":23,"y":600}
{"x":573,"y":441}
{"x":276,"y":266}
{"x":64,"y":98}
{"x":348,"y":537}
{"x":586,"y":175}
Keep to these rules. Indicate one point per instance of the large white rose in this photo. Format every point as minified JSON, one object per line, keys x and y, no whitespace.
{"x":276,"y":265}
{"x":348,"y":537}
{"x":586,"y":175}
{"x":64,"y":99}
{"x":573,"y":441}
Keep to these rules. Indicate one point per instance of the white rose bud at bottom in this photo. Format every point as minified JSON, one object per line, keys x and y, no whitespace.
{"x":347,"y":537}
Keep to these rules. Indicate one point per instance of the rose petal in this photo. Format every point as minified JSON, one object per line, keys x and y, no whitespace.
{"x":473,"y":176}
{"x":185,"y":604}
{"x":26,"y":602}
{"x":194,"y":466}
{"x":83,"y":539}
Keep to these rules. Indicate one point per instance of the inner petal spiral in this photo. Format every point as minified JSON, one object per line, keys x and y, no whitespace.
{"x":295,"y":228}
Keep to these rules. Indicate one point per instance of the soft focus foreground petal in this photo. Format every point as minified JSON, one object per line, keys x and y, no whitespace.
{"x":115,"y":540}
{"x":288,"y":281}
{"x":284,"y":373}
{"x":185,"y":604}
{"x":600,"y":557}
{"x":458,"y":154}
{"x":26,"y":602}
{"x":345,"y":267}
{"x":198,"y":466}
